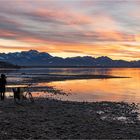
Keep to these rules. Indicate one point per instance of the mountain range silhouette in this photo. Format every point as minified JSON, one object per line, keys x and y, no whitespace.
{"x":35,"y":58}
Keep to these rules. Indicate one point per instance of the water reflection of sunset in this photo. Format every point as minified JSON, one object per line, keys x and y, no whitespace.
{"x":120,"y":89}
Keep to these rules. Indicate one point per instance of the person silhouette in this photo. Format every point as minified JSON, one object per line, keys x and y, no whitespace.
{"x":3,"y":83}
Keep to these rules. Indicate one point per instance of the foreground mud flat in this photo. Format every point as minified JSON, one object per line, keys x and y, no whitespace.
{"x":48,"y":118}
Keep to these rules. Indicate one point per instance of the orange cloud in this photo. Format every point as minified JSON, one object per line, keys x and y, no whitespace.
{"x":6,"y":33}
{"x":68,"y":17}
{"x":116,"y":36}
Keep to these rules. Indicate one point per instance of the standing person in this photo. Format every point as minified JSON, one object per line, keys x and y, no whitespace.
{"x":3,"y":83}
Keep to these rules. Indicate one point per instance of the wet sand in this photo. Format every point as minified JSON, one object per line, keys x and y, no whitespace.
{"x":51,"y":119}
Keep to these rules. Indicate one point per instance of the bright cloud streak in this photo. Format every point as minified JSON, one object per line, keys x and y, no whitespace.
{"x":70,"y":28}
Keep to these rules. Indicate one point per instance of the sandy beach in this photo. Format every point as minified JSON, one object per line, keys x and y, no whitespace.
{"x":53,"y":119}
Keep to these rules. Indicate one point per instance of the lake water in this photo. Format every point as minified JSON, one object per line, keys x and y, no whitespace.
{"x":90,"y":90}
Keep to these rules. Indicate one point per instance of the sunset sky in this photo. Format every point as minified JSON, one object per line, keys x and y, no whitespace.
{"x":68,"y":28}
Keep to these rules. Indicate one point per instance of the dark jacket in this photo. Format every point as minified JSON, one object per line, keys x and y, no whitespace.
{"x":3,"y":83}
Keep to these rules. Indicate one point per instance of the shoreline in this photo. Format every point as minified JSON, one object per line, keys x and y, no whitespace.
{"x":58,"y":77}
{"x":55,"y":119}
{"x":48,"y":78}
{"x":35,"y":78}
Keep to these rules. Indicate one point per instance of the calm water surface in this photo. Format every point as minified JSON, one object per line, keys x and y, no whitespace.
{"x":117,"y":89}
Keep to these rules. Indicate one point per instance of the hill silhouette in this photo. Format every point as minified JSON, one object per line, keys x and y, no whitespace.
{"x":7,"y":65}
